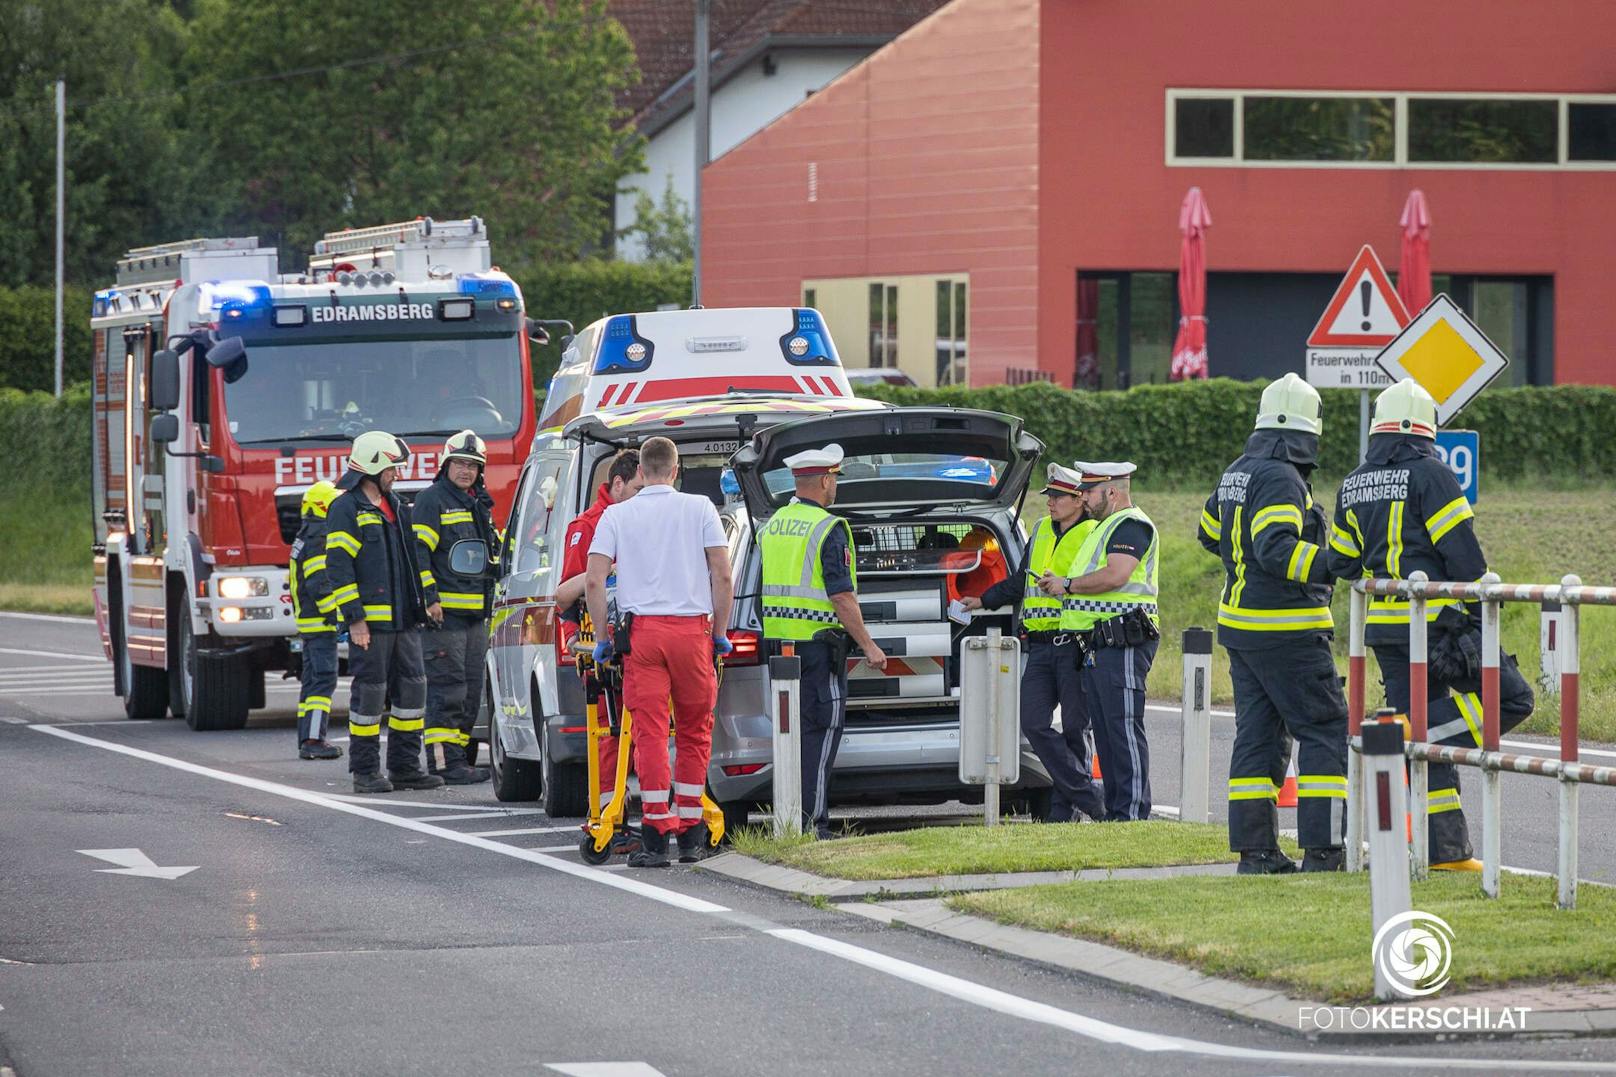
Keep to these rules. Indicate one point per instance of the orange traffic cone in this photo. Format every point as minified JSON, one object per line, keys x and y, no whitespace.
{"x":1287,"y":792}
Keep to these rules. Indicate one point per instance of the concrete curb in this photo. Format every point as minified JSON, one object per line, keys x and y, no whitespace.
{"x":1266,"y":1007}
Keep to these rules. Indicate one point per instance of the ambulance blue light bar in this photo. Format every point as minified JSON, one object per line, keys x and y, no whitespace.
{"x":622,"y":349}
{"x":808,"y":343}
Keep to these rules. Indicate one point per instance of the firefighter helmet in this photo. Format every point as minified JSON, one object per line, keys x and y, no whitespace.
{"x":1291,"y":404}
{"x":375,"y":451}
{"x":317,"y":498}
{"x":466,"y":445}
{"x":1405,"y":408}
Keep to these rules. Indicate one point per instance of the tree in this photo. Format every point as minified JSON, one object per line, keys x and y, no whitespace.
{"x":663,"y":230}
{"x":506,"y":110}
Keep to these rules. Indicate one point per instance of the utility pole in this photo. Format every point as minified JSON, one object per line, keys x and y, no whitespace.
{"x":61,"y":212}
{"x":703,"y":108}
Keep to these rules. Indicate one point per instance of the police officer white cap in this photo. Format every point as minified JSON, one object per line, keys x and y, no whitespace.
{"x":1095,"y":474}
{"x":811,"y":462}
{"x":1062,"y":480}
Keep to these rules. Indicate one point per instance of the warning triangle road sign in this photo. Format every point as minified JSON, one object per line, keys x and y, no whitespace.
{"x":1365,"y":310}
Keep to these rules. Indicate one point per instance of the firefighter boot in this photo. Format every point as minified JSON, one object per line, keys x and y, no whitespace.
{"x":693,"y":843}
{"x":1327,"y":859}
{"x":1265,"y":862}
{"x":653,"y":851}
{"x":318,"y":749}
{"x":371,"y":782}
{"x":404,"y":760}
{"x":456,"y":770}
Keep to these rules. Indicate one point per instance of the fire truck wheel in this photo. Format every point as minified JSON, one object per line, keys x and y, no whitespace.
{"x":221,"y":692}
{"x":514,"y":779}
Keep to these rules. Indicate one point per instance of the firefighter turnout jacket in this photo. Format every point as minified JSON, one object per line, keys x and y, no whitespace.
{"x":371,"y":562}
{"x":1261,"y":520}
{"x":1400,"y":512}
{"x":313,"y":607}
{"x":443,"y":515}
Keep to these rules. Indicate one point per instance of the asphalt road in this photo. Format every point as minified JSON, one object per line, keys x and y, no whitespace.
{"x":323,"y":933}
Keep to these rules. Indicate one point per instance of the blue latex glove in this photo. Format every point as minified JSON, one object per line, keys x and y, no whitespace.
{"x":721,"y":647}
{"x":604,"y":651}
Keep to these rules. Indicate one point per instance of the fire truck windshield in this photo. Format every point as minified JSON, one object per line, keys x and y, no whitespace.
{"x":334,"y":391}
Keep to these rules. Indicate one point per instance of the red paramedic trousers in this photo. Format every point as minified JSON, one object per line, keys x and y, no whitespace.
{"x":671,"y":657}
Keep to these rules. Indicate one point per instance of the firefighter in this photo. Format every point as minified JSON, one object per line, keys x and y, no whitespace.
{"x":455,"y":508}
{"x":1274,"y":622}
{"x":316,"y":614}
{"x":810,"y":599}
{"x":1402,"y":511}
{"x":1051,"y":676}
{"x":1109,"y":604}
{"x":375,"y":580}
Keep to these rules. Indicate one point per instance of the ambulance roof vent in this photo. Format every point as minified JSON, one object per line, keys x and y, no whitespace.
{"x":410,"y":249}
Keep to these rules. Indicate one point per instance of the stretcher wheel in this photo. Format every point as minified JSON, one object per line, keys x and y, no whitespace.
{"x":591,"y":855}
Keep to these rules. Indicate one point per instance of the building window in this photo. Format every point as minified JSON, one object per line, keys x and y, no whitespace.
{"x":810,"y":298}
{"x":883,"y":324}
{"x":1319,"y":128}
{"x":1286,"y":128}
{"x":1134,"y":316}
{"x":1483,"y":131}
{"x":951,"y":304}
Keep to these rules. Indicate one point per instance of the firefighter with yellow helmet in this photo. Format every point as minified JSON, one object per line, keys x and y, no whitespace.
{"x":316,"y":614}
{"x":1402,"y":511}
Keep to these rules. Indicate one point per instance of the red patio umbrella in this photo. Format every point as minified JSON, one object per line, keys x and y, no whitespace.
{"x":1189,"y":350}
{"x":1414,"y":263}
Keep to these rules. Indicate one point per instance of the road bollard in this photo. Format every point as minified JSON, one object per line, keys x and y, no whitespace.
{"x":1382,"y":795}
{"x":1419,"y":782}
{"x":785,"y":682}
{"x":1570,"y":705}
{"x":990,"y":712}
{"x":1492,"y":812}
{"x":1194,"y":803}
{"x":1356,"y":672}
{"x":1549,"y":641}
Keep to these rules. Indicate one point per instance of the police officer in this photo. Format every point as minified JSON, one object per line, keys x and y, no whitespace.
{"x":1109,"y":603}
{"x":455,"y":508}
{"x":1051,"y":674}
{"x":808,"y":589}
{"x":1274,"y":620}
{"x":316,"y":614}
{"x":375,"y":580}
{"x":1399,"y":512}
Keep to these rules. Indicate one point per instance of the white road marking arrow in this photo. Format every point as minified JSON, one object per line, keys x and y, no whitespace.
{"x":134,"y":862}
{"x":604,"y":1069}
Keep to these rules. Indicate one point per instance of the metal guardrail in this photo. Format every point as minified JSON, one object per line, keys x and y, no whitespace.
{"x":1492,"y":593}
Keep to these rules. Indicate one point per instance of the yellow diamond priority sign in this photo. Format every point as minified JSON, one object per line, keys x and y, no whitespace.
{"x":1447,"y":354}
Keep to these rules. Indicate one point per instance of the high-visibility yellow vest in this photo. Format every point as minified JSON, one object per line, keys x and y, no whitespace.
{"x":795,"y":605}
{"x":1041,"y":612}
{"x":1079,"y":613}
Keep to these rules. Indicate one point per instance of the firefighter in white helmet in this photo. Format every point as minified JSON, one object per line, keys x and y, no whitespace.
{"x":1402,"y":511}
{"x":376,"y":582}
{"x":316,"y":614}
{"x":1274,"y":621}
{"x":455,"y":511}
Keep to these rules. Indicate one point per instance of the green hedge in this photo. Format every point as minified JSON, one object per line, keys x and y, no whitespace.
{"x":1190,"y":431}
{"x":46,"y":440}
{"x":27,"y":321}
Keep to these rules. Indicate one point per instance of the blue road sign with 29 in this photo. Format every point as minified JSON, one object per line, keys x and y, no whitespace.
{"x":1461,"y":451}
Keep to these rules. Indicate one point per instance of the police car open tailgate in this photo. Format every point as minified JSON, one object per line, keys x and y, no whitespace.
{"x":898,"y":461}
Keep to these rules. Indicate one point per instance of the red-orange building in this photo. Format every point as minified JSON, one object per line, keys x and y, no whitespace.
{"x":946,"y":201}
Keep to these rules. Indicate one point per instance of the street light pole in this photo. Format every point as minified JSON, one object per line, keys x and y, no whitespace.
{"x":703,"y":55}
{"x":61,"y":211}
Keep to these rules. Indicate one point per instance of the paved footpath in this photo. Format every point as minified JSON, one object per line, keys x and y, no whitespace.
{"x":315,"y":932}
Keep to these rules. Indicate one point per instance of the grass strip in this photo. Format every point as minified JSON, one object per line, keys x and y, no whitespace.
{"x":1311,"y":934}
{"x":979,"y":850}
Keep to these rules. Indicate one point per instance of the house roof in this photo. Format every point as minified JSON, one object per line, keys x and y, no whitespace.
{"x":663,"y":33}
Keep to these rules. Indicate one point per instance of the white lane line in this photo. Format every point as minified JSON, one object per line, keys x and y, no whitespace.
{"x":57,"y":617}
{"x":523,"y":830}
{"x":13,"y":721}
{"x":498,"y":814}
{"x":56,"y":654}
{"x":360,"y":799}
{"x":632,"y":886}
{"x":940,"y":982}
{"x":36,"y":672}
{"x":21,"y":692}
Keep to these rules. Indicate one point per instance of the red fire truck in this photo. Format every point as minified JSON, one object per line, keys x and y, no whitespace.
{"x":224,"y":389}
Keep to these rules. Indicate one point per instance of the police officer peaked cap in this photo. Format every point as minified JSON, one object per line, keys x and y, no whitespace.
{"x":373,"y":453}
{"x":1062,"y":480}
{"x":466,"y":445}
{"x":1405,"y":408}
{"x":811,"y":462}
{"x":1291,"y":404}
{"x":1093,"y":475}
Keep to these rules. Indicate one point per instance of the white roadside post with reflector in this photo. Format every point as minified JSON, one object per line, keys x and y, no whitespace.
{"x":990,"y":710}
{"x":1389,"y":892}
{"x":785,"y":689}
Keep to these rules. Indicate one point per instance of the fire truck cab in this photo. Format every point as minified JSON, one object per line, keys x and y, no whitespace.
{"x":223,"y":389}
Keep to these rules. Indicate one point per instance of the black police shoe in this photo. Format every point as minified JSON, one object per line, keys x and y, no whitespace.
{"x":318,"y":749}
{"x":693,"y":843}
{"x":653,"y":850}
{"x":1266,"y":862}
{"x":371,"y":783}
{"x":1324,"y":860}
{"x":418,"y":780}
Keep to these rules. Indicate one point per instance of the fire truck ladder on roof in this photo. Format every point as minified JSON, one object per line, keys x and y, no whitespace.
{"x":459,"y":246}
